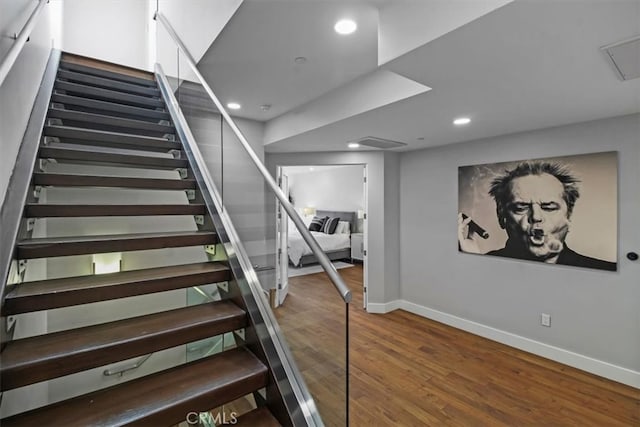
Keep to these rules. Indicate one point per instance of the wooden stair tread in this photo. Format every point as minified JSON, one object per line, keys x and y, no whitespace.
{"x":259,"y":417}
{"x":110,"y":139}
{"x":108,"y":94}
{"x":163,"y":398}
{"x":94,"y":66}
{"x":89,"y":157}
{"x":39,"y":358}
{"x":40,"y":210}
{"x":108,"y":83}
{"x":109,"y":106}
{"x":68,"y":291}
{"x":120,"y":122}
{"x":69,"y":180}
{"x":78,"y":245}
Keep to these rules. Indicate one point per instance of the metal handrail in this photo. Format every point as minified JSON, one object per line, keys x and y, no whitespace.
{"x":120,"y":371}
{"x":237,"y":254}
{"x":21,"y":39}
{"x":329,"y":268}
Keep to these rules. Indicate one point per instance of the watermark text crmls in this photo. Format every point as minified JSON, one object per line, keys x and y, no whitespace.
{"x":207,"y":419}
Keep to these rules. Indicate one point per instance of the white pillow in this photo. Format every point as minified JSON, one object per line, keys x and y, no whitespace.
{"x":343,"y":228}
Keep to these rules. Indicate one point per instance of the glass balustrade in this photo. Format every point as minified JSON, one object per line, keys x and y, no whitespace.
{"x":312,"y":323}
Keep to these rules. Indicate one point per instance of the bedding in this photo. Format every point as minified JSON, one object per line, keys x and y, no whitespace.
{"x":328,"y":242}
{"x":336,"y":244}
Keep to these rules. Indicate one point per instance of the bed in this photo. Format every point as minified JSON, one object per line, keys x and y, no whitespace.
{"x":336,"y":246}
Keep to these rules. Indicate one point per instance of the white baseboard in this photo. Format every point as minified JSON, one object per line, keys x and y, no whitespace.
{"x":384,"y":308}
{"x":585,"y":363}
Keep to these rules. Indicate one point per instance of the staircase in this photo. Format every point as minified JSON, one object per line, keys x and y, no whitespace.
{"x":108,"y":118}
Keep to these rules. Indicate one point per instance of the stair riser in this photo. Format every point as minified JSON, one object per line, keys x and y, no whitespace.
{"x":124,"y":245}
{"x":84,"y":296}
{"x":108,"y":95}
{"x":94,"y":357}
{"x":107,"y":83}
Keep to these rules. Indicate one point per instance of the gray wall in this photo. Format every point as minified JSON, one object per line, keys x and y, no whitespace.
{"x":17,"y":94}
{"x":594,"y":313}
{"x":382,"y":172}
{"x":19,"y":88}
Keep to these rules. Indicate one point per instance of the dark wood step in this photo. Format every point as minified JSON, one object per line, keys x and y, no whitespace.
{"x":108,"y":95}
{"x":100,"y":72}
{"x":78,"y":245}
{"x":107,"y":83}
{"x":44,"y":357}
{"x":97,"y":105}
{"x":68,"y":291}
{"x":117,"y":122}
{"x":64,"y":180}
{"x":259,"y":417}
{"x":103,"y":138}
{"x":93,"y":157}
{"x":37,"y":210}
{"x":160,"y":399}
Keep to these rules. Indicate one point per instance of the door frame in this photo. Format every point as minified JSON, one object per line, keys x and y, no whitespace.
{"x":282,"y":234}
{"x":365,"y":220}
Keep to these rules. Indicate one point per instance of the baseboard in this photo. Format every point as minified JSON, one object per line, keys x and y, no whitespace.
{"x":388,"y":307}
{"x":566,"y":357}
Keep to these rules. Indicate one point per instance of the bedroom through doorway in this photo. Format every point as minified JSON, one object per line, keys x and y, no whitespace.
{"x":332,"y":202}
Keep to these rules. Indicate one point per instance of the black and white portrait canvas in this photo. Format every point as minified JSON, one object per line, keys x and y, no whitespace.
{"x":561,"y":210}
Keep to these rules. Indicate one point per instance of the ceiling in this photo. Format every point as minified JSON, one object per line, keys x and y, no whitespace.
{"x":253,"y":59}
{"x":527,"y":65}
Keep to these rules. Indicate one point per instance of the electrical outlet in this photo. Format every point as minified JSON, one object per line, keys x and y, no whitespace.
{"x":545,"y":319}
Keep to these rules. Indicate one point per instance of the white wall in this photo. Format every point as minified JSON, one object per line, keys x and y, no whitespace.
{"x":19,"y":89}
{"x":198,"y":22}
{"x":595,"y":316}
{"x":328,"y":188}
{"x":409,"y":24}
{"x":382,"y":272}
{"x":110,"y":30}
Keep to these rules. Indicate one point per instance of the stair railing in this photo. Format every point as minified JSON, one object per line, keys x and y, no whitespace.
{"x":19,"y":191}
{"x":258,"y":309}
{"x":21,"y":39}
{"x":193,"y":105}
{"x":324,"y":261}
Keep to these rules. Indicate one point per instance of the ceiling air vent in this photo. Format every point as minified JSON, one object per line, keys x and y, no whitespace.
{"x":625,"y":57}
{"x":383,"y":144}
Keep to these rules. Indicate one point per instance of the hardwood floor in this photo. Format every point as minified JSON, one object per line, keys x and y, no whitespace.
{"x":410,"y":371}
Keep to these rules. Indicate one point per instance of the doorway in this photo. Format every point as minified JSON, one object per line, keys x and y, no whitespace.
{"x":321,"y":191}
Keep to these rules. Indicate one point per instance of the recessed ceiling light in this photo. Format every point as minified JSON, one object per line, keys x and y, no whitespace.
{"x":460,"y":121}
{"x":265,"y":107}
{"x":311,"y":169}
{"x":234,"y":105}
{"x":353,"y":145}
{"x":420,"y":138}
{"x":345,"y":26}
{"x":300,"y":60}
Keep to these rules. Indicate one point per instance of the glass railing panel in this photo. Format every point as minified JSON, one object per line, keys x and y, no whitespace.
{"x":312,"y":321}
{"x":205,"y":123}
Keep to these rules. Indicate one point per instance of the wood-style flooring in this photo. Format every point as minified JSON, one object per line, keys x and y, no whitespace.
{"x":410,"y":371}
